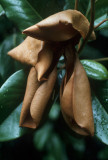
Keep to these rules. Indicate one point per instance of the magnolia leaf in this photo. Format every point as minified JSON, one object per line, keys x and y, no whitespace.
{"x":42,"y":136}
{"x":55,"y":111}
{"x":10,"y":129}
{"x":1,"y":11}
{"x":101,"y":8}
{"x":101,"y":90}
{"x":7,"y":64}
{"x":100,"y":120}
{"x":46,"y":7}
{"x":58,"y":151}
{"x":12,"y":93}
{"x":69,"y":4}
{"x":82,"y":5}
{"x":89,"y":52}
{"x":100,"y":19}
{"x":95,"y":70}
{"x":20,"y":12}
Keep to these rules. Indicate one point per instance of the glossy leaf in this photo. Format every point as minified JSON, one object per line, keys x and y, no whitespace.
{"x":1,"y":11}
{"x":7,"y":64}
{"x":100,"y":19}
{"x":1,"y":80}
{"x":101,"y":8}
{"x":12,"y":93}
{"x":100,"y":120}
{"x":20,"y":12}
{"x":101,"y":91}
{"x":82,"y":5}
{"x":10,"y":129}
{"x":46,"y":7}
{"x":95,"y":70}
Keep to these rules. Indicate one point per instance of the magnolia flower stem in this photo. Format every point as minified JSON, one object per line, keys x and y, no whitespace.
{"x":95,"y":27}
{"x":91,"y":25}
{"x":76,"y":4}
{"x":101,"y":59}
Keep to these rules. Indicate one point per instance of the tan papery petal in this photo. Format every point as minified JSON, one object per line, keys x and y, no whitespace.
{"x":45,"y":58}
{"x":32,"y":85}
{"x":61,"y":26}
{"x":41,"y":98}
{"x":75,"y":100}
{"x":27,"y":51}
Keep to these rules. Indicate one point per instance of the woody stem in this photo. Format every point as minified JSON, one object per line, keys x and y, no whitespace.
{"x":101,"y":59}
{"x":91,"y":25}
{"x":76,"y":4}
{"x":95,"y":27}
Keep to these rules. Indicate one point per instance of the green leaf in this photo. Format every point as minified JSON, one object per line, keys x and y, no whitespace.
{"x":58,"y":151}
{"x":7,"y":66}
{"x":95,"y":70}
{"x":42,"y":136}
{"x":90,"y":52}
{"x":12,"y":93}
{"x":55,"y":111}
{"x":1,"y":11}
{"x":10,"y":129}
{"x":101,"y":91}
{"x":69,"y":4}
{"x":82,"y":5}
{"x":100,"y":120}
{"x":46,"y":7}
{"x":20,"y":12}
{"x":104,"y":32}
{"x":1,"y":80}
{"x":101,"y":8}
{"x":100,"y":19}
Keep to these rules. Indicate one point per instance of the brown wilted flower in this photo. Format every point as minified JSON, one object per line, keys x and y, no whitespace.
{"x":47,"y":40}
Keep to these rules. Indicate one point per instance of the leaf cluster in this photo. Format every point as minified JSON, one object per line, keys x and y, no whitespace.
{"x":17,"y":15}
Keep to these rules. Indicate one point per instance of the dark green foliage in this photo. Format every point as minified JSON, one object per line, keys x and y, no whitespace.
{"x":54,"y":136}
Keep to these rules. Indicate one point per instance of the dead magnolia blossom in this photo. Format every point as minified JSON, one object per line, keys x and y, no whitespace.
{"x":47,"y":40}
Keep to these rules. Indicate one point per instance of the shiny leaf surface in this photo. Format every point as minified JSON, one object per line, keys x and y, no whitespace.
{"x":101,"y":91}
{"x":95,"y":70}
{"x":10,"y":129}
{"x":12,"y":93}
{"x":100,"y":120}
{"x":20,"y":12}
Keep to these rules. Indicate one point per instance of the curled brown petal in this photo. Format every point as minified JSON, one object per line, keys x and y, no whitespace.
{"x":45,"y":58}
{"x":61,"y":26}
{"x":32,"y":85}
{"x":36,"y":99}
{"x":27,"y":51}
{"x":82,"y":98}
{"x":75,"y":100}
{"x":41,"y":98}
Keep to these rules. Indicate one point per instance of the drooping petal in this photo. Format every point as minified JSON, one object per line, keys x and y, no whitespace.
{"x":75,"y":100}
{"x":41,"y":98}
{"x":47,"y":59}
{"x":36,"y":99}
{"x":61,"y":26}
{"x":27,"y":51}
{"x":82,"y":107}
{"x":32,"y":85}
